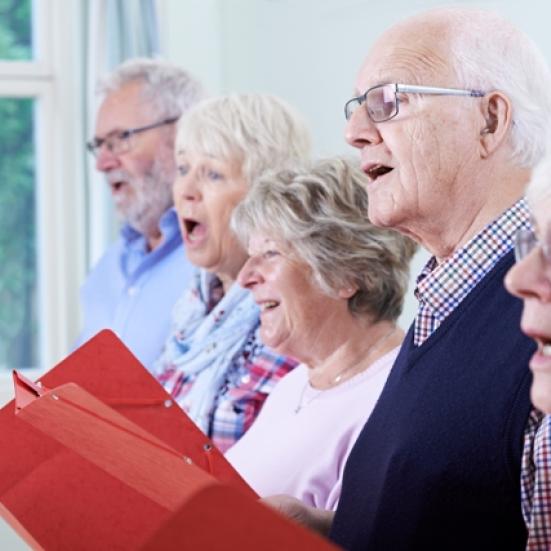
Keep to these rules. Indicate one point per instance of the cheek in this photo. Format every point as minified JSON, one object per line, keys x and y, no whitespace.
{"x":220,"y":209}
{"x":302,"y":310}
{"x":142,"y":170}
{"x":424,"y":155}
{"x":536,"y":316}
{"x":177,"y":188}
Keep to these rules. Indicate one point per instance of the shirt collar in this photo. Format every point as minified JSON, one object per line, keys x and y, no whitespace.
{"x":168,"y":224}
{"x":441,"y":287}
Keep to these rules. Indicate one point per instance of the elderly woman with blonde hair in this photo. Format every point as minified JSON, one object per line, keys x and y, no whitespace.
{"x":330,"y":287}
{"x":214,"y":363}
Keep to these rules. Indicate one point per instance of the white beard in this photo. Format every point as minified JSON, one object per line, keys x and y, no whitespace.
{"x":146,"y":198}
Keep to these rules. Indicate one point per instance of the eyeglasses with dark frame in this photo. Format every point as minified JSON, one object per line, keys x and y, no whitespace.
{"x":382,"y":103}
{"x":121,"y":141}
{"x":526,"y":241}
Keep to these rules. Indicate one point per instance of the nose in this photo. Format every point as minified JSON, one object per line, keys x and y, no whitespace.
{"x":249,"y":276}
{"x":528,"y":278}
{"x":186,"y":186}
{"x":106,"y":160}
{"x":360,"y":130}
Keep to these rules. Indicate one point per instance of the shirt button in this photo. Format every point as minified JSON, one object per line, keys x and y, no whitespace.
{"x":132,"y":291}
{"x":246,"y":379}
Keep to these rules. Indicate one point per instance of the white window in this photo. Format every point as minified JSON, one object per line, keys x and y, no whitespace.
{"x":42,"y":191}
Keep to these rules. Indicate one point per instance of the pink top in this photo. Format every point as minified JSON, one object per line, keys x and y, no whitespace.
{"x":299,"y":443}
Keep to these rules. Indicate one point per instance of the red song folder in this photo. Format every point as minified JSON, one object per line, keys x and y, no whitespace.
{"x":96,"y":455}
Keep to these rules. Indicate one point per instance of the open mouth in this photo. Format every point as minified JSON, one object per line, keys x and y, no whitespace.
{"x":268,"y":305}
{"x":116,"y":186}
{"x":544,"y":347}
{"x":376,"y":171}
{"x":194,"y":229}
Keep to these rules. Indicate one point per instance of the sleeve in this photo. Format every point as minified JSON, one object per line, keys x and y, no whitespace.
{"x":246,"y":390}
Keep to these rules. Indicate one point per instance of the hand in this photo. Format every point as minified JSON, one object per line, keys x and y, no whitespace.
{"x":317,"y":520}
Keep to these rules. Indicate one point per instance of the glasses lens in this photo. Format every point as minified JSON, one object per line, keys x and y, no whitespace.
{"x":92,"y":146}
{"x":525,"y":242}
{"x":350,"y":106}
{"x":381,"y":103}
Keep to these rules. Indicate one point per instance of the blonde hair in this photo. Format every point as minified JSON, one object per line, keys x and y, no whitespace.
{"x":258,"y":131}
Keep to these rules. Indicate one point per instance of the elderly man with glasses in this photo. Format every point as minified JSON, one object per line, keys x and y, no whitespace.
{"x":133,"y":287}
{"x":449,"y":118}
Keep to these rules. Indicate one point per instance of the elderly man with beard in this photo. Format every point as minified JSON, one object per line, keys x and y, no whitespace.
{"x":133,"y":287}
{"x":449,"y":116}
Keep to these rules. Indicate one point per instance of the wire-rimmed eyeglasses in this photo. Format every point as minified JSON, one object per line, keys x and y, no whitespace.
{"x":121,"y":141}
{"x":382,"y":103}
{"x":526,"y":241}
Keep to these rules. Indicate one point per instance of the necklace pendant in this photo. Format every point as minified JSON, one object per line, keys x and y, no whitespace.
{"x":298,"y":408}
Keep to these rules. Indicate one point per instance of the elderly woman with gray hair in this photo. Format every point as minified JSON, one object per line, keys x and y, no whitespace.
{"x":214,"y":363}
{"x":330,"y":288}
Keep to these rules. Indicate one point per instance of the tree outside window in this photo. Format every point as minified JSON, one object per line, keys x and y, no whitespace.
{"x":18,"y":266}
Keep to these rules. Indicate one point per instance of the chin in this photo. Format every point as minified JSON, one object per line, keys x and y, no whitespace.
{"x":269,"y":339}
{"x":382,"y":218}
{"x":197,"y":259}
{"x":274,"y":341}
{"x":541,"y":393}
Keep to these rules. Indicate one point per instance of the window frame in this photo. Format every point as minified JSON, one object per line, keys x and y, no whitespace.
{"x":54,"y":80}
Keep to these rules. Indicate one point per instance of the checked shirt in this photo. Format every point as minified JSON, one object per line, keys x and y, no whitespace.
{"x":440,"y":289}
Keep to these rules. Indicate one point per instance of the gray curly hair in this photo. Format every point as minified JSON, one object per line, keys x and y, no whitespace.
{"x":169,"y":89}
{"x":320,"y":213}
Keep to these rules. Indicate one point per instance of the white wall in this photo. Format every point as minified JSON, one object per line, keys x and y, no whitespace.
{"x":307,"y":52}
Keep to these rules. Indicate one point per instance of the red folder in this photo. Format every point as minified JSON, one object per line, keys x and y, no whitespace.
{"x":97,"y":456}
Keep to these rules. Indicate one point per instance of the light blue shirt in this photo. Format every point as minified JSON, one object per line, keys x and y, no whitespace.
{"x":132,"y":291}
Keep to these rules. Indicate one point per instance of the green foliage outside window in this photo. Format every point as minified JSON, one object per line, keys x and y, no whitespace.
{"x":18,"y":296}
{"x":18,"y":281}
{"x":15,"y":30}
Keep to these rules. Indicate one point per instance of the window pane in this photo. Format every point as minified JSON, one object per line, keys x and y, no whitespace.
{"x":18,"y":273}
{"x":16,"y":30}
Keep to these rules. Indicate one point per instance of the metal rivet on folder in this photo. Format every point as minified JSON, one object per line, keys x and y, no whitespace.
{"x":39,"y":384}
{"x":188,"y":460}
{"x":55,"y":397}
{"x":207,"y":447}
{"x":168,"y":403}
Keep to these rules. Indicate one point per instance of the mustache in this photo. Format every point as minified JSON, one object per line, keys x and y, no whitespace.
{"x":118,"y":176}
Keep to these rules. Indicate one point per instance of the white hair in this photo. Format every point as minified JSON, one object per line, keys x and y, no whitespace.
{"x":258,"y":131}
{"x":167,"y":88}
{"x":490,"y":53}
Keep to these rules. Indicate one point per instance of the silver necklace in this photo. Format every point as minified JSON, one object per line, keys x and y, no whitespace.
{"x":339,"y":377}
{"x":301,"y":403}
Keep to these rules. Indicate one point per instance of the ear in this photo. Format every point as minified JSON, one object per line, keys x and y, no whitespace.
{"x":497,"y":113}
{"x":347,"y":292}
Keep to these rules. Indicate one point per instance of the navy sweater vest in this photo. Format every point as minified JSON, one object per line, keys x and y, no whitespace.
{"x":437,"y":466}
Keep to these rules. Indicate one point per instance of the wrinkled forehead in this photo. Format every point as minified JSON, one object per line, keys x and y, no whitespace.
{"x":123,"y":108}
{"x":405,"y":55}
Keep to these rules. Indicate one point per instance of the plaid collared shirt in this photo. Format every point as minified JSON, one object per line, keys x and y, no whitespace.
{"x":440,"y":289}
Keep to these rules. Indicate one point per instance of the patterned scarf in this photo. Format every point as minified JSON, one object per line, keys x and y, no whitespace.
{"x":204,"y":344}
